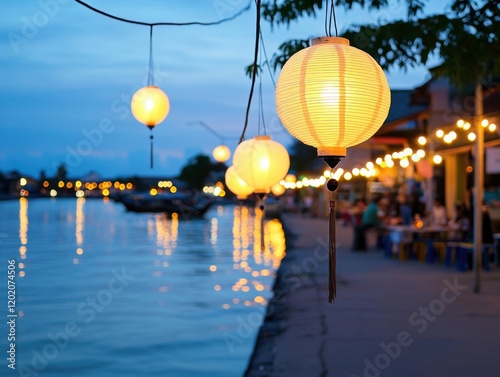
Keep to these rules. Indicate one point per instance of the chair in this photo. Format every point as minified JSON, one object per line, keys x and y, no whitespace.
{"x":465,"y":248}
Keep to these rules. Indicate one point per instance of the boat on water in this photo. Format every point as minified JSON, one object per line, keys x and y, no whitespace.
{"x":186,"y":205}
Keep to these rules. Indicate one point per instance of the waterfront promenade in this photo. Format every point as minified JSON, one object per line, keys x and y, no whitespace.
{"x":391,"y":318}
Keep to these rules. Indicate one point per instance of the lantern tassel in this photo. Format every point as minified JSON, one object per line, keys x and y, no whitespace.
{"x":332,"y":254}
{"x":151,"y":151}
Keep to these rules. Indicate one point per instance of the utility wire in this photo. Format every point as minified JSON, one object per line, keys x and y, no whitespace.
{"x":165,"y":23}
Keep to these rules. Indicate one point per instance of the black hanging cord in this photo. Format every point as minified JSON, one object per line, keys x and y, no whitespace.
{"x":267,"y":60}
{"x":330,"y":18}
{"x":254,"y":70}
{"x":166,"y":23}
{"x":151,"y":79}
{"x":151,"y":148}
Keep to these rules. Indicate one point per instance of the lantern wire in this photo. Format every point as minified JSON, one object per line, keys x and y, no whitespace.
{"x":166,"y":23}
{"x":330,"y":18}
{"x":211,"y":130}
{"x":151,"y":78}
{"x":261,"y":103}
{"x":254,"y":69}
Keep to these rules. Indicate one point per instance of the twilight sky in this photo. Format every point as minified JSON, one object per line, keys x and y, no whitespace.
{"x":67,"y":75}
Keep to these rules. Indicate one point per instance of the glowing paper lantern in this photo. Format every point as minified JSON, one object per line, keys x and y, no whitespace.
{"x":221,"y":153}
{"x":150,"y":105}
{"x":237,"y":185}
{"x":332,"y":96}
{"x":261,"y":162}
{"x":278,"y":189}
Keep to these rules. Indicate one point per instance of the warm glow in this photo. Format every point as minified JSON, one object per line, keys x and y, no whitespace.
{"x":471,"y":136}
{"x":415,"y":157}
{"x":421,"y":153}
{"x":408,"y":151}
{"x":237,"y":185}
{"x":150,"y":105}
{"x":492,"y":127}
{"x":278,"y":189}
{"x":46,"y":184}
{"x":378,"y":161}
{"x":290,"y":178}
{"x":370,"y":165}
{"x":437,"y":159}
{"x":347,"y":176}
{"x":261,"y":162}
{"x":485,"y":123}
{"x":404,"y":163}
{"x":460,"y":123}
{"x":105,"y":192}
{"x":422,"y":140}
{"x":23,"y":181}
{"x":153,"y":192}
{"x":440,"y":133}
{"x":53,"y":193}
{"x":221,"y":153}
{"x":332,"y":96}
{"x":355,"y":172}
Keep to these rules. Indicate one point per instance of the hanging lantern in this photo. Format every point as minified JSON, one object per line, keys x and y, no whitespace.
{"x":237,"y":185}
{"x":150,"y":106}
{"x":278,"y":189}
{"x":332,"y":96}
{"x":261,"y":162}
{"x":221,"y":153}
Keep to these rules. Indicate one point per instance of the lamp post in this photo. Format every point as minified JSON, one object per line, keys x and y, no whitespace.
{"x":478,"y":183}
{"x":220,"y":153}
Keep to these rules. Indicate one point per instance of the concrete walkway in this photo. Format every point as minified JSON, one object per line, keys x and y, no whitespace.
{"x":391,"y":318}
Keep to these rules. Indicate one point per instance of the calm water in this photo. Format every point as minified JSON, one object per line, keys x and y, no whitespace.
{"x":102,"y":292}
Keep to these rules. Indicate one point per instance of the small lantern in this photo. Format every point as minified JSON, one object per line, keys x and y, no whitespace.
{"x":221,"y":153}
{"x":150,"y":106}
{"x":237,"y":185}
{"x":261,"y":162}
{"x":278,"y":189}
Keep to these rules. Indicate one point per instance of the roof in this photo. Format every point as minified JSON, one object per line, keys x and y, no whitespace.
{"x":401,"y":105}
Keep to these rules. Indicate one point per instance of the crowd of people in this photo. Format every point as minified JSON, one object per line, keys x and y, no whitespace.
{"x":383,"y":211}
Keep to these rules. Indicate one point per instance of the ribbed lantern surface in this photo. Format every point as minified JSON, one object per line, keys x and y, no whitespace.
{"x":261,"y":162}
{"x":332,"y":96}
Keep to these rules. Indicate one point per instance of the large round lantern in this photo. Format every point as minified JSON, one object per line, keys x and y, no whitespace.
{"x":150,"y":105}
{"x":261,"y":162}
{"x":237,"y":185}
{"x":221,"y":153}
{"x":332,"y":96}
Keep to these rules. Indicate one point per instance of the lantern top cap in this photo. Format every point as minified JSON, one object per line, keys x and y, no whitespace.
{"x":329,"y":40}
{"x":262,"y":137}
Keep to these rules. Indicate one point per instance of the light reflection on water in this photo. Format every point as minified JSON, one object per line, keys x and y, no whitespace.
{"x":195,"y":285}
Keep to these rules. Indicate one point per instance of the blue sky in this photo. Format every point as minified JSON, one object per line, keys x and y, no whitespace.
{"x":67,"y":73}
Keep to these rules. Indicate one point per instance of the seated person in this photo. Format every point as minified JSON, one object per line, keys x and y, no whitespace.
{"x":438,"y":214}
{"x":460,"y":224}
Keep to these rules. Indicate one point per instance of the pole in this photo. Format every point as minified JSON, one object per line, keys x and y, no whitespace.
{"x":478,"y":183}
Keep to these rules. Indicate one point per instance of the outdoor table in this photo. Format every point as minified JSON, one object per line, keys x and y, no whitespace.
{"x":403,"y":234}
